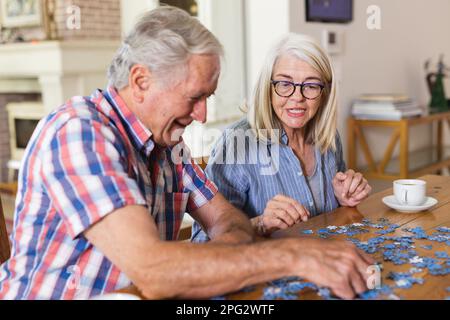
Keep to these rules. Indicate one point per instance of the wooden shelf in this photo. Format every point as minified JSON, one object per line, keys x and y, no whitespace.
{"x":421,"y":161}
{"x":407,"y":164}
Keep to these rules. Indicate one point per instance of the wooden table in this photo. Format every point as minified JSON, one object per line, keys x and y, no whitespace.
{"x":434,"y":287}
{"x":410,"y":164}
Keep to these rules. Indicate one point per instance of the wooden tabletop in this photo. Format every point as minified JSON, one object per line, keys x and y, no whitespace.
{"x":434,"y":287}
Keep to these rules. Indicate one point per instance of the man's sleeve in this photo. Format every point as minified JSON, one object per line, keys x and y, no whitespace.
{"x":201,"y":189}
{"x":84,"y":173}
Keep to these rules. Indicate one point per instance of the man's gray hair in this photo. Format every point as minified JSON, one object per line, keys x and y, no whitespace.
{"x":163,"y":40}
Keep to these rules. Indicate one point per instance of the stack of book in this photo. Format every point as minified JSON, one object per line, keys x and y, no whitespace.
{"x":385,"y":107}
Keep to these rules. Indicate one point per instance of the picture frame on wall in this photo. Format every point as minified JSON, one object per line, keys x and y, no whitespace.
{"x":329,"y":11}
{"x":21,"y":13}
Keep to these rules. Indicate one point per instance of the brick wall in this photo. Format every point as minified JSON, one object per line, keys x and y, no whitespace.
{"x":5,"y":152}
{"x":99,"y":19}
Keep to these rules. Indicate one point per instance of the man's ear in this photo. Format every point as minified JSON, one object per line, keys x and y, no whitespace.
{"x":140,"y":81}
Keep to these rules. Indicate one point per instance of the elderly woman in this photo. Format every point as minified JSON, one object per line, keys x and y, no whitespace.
{"x":294,"y":112}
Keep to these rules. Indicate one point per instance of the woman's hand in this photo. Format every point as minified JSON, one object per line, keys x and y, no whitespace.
{"x":350,"y":188}
{"x":281,"y":212}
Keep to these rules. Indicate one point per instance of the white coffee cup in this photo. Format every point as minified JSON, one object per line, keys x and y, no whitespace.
{"x":411,"y":192}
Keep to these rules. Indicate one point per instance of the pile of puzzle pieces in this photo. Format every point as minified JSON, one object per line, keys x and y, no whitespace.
{"x":399,"y":250}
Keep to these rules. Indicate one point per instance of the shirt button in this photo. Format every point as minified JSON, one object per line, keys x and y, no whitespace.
{"x":300,"y":173}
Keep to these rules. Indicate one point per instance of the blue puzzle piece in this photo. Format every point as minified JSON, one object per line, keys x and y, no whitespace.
{"x":404,"y":280}
{"x":443,"y":229}
{"x":442,"y":254}
{"x":440,"y":272}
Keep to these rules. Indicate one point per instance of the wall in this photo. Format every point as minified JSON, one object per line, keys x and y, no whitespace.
{"x":390,"y":59}
{"x":386,"y":60}
{"x":131,"y":10}
{"x":265,"y":21}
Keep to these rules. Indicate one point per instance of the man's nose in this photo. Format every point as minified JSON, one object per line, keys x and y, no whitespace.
{"x":199,"y":112}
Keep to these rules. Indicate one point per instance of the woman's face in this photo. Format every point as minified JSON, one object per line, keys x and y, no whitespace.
{"x":295,"y":111}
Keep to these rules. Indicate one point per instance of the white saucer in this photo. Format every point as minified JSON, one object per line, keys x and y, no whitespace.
{"x":392,"y":202}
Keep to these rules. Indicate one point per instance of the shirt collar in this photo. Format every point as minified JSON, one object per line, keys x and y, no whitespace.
{"x":138,"y":132}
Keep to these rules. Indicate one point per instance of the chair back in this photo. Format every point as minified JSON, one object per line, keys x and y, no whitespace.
{"x":201,"y":161}
{"x":5,"y":249}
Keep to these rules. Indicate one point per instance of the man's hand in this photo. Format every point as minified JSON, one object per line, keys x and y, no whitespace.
{"x":350,"y":188}
{"x":335,"y":264}
{"x":281,"y":212}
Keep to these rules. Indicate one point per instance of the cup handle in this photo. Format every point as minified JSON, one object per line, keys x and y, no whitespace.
{"x":405,"y":196}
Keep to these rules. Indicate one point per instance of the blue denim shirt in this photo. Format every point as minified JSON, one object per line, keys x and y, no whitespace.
{"x":260,"y":172}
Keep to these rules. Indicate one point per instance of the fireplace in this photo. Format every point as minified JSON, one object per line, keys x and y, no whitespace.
{"x":53,"y":71}
{"x":7,"y":97}
{"x":23,"y":118}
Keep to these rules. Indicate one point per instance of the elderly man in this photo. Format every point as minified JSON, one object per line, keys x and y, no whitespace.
{"x":100,"y":192}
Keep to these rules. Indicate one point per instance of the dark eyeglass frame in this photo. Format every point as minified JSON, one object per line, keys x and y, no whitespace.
{"x":301,"y":85}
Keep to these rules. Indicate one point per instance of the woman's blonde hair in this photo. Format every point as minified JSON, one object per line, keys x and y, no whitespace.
{"x":321,"y":129}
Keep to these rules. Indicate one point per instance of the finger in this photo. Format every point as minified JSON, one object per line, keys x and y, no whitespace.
{"x":362,"y":195}
{"x":271,"y":221}
{"x":278,"y":202}
{"x":340,"y":176}
{"x":304,"y":213}
{"x":335,"y":279}
{"x":347,"y":183}
{"x":356,"y":181}
{"x":358,"y":281}
{"x":280,"y":223}
{"x":361,"y":270}
{"x":363,"y":263}
{"x":367,"y":258}
{"x":272,"y":203}
{"x":360,"y":188}
{"x":301,"y":210}
{"x":284,"y":216}
{"x":344,"y":289}
{"x":351,"y":253}
{"x":307,"y":212}
{"x":290,"y":205}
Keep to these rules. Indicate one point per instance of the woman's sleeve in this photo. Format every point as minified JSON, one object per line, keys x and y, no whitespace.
{"x":340,"y":163}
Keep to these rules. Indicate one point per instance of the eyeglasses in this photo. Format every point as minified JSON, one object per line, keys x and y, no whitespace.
{"x":309,"y":90}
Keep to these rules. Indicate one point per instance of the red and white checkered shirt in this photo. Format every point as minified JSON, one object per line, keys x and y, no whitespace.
{"x":85,"y":160}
